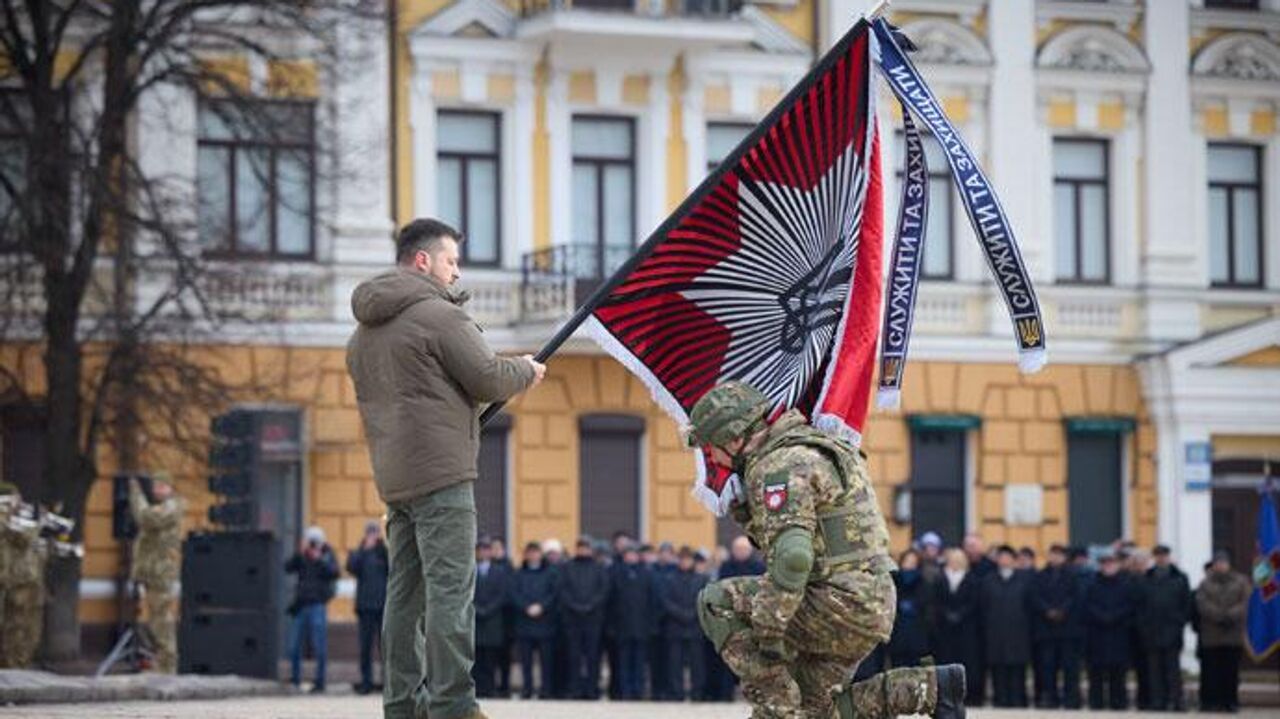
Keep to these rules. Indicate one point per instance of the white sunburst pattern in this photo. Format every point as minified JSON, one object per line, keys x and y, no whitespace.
{"x":788,"y":233}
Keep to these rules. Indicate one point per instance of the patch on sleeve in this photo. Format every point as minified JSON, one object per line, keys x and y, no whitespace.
{"x":775,"y":496}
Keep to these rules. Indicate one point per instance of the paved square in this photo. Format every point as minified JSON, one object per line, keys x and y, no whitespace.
{"x":353,"y":707}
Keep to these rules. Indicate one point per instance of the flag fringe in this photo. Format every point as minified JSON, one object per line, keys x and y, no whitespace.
{"x":1032,"y":361}
{"x":888,"y":398}
{"x":837,"y":427}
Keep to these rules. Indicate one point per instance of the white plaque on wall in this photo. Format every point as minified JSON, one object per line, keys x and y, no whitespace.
{"x":1023,"y":505}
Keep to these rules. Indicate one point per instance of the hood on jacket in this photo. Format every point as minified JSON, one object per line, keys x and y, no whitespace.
{"x":381,"y":298}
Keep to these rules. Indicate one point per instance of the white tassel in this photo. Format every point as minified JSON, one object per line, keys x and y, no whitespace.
{"x":836,"y":427}
{"x":888,"y":398}
{"x":1032,"y":361}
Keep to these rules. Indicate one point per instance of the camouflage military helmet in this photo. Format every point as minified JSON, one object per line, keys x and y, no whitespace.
{"x":726,"y":412}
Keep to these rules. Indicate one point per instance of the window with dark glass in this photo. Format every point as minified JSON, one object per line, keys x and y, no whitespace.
{"x":938,"y":239}
{"x":1235,"y":215}
{"x":1081,"y":210}
{"x":722,"y":139}
{"x":256,"y":178}
{"x":604,"y":169}
{"x":468,"y":196}
{"x":1232,"y":4}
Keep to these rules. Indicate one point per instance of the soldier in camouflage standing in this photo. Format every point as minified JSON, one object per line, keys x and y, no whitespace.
{"x":796,"y":635}
{"x":24,"y":555}
{"x":9,"y":501}
{"x":157,"y":560}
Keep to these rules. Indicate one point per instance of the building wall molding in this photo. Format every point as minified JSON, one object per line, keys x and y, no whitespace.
{"x":944,"y":42}
{"x":1094,"y":49}
{"x":1239,"y":56}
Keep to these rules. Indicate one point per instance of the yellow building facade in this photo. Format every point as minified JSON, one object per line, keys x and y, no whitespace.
{"x":974,"y":444}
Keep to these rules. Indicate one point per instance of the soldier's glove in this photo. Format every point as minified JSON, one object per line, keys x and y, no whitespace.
{"x":775,"y":649}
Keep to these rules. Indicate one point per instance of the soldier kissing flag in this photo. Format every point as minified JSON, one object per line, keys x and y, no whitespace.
{"x":771,"y":271}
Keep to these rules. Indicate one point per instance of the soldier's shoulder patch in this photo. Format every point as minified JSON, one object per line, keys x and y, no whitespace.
{"x":775,"y":496}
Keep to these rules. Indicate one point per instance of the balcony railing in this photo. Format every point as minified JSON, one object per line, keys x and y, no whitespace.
{"x":563,"y":275}
{"x":651,"y":8}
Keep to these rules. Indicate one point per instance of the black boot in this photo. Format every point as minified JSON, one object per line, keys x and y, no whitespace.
{"x":951,"y":685}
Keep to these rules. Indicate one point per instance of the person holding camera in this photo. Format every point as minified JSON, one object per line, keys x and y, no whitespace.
{"x":157,"y":563}
{"x":317,"y":570}
{"x":368,"y":564}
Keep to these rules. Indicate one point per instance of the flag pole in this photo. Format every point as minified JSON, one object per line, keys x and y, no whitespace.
{"x":878,"y":9}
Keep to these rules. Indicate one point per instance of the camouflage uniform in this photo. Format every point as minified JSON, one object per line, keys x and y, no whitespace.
{"x":157,"y":560}
{"x":795,"y":635}
{"x":9,"y":492}
{"x":24,"y":596}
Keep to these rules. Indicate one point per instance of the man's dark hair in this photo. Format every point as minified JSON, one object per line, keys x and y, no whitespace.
{"x":1006,"y":549}
{"x":532,"y":546}
{"x":424,"y":233}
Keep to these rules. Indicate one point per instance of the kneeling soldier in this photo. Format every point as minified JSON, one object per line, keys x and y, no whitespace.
{"x":796,"y":635}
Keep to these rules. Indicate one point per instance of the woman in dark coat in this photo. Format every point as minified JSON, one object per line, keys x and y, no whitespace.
{"x":909,"y":642}
{"x":957,"y":628}
{"x":1006,"y":624}
{"x":1109,"y":616}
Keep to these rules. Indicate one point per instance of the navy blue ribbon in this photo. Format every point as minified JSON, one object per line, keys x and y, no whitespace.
{"x":904,"y":268}
{"x":989,"y":221}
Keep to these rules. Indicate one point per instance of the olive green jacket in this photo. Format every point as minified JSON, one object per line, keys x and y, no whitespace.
{"x":421,"y":370}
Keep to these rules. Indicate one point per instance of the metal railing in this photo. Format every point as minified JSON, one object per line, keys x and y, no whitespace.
{"x":562,"y":276}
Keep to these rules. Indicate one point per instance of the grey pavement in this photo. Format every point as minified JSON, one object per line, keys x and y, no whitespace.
{"x":354,"y":707}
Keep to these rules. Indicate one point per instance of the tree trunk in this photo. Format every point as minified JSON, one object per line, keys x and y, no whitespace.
{"x":65,"y":470}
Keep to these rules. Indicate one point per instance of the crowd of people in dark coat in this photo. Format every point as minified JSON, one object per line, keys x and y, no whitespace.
{"x":1027,"y":632}
{"x":628,"y":605}
{"x":1103,"y":618}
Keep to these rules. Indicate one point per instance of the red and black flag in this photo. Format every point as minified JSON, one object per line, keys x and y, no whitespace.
{"x":770,"y":272}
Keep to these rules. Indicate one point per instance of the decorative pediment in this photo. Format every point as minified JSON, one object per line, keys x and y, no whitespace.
{"x":1252,"y":345}
{"x":1093,"y":48}
{"x":1239,"y":56}
{"x":943,"y":42}
{"x":769,"y":35}
{"x":471,"y":18}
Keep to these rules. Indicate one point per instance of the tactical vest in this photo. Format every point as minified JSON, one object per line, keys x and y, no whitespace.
{"x":852,"y":535}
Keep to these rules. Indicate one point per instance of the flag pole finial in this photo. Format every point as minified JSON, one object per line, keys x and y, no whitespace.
{"x":878,"y":9}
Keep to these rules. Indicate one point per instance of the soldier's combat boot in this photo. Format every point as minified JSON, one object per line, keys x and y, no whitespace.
{"x":951,"y":689}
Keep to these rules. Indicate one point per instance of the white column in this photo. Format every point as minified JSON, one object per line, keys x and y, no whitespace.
{"x":838,"y":16}
{"x":1013,"y":137}
{"x":362,"y":181}
{"x":422,"y":122}
{"x":695,"y":130}
{"x":651,"y":166}
{"x":520,"y":193}
{"x":1173,"y":252}
{"x":1125,"y":151}
{"x":559,"y":127}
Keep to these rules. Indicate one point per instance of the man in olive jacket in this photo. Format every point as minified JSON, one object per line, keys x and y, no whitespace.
{"x":421,"y":371}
